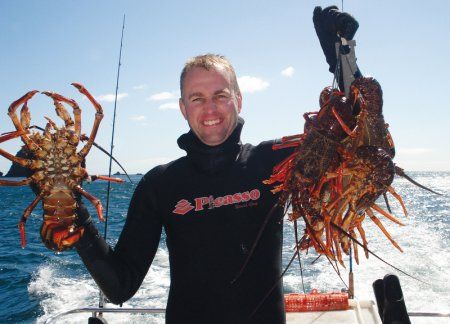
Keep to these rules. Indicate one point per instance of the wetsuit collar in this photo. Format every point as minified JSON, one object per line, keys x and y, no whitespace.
{"x":212,"y":159}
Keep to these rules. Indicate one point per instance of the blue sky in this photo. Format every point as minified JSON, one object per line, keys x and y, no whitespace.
{"x":46,"y":45}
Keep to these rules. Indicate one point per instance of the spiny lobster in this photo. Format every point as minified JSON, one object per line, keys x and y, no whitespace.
{"x":341,"y":165}
{"x":57,"y":168}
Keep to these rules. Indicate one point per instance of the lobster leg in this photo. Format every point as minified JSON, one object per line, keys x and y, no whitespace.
{"x":12,"y":114}
{"x":98,"y":118}
{"x":51,"y":124}
{"x":328,"y":234}
{"x":95,"y":201}
{"x":14,"y":183}
{"x":389,"y":138}
{"x":400,"y":200}
{"x":62,"y":112}
{"x":30,"y":164}
{"x":359,"y":128}
{"x":387,"y":215}
{"x":24,"y":218}
{"x":380,"y":225}
{"x":362,"y":233}
{"x":25,"y":116}
{"x":338,"y":249}
{"x":100,"y":177}
{"x":349,"y":216}
{"x":355,"y":246}
{"x":316,"y":239}
{"x":11,"y":135}
{"x":346,"y":194}
{"x":289,"y":141}
{"x":342,"y":123}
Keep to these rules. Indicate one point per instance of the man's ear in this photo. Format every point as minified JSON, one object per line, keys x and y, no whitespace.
{"x":182,"y":107}
{"x":239,"y":102}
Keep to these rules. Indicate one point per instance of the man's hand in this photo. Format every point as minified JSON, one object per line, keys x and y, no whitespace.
{"x":330,"y":24}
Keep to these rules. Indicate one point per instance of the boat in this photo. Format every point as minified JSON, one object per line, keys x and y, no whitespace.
{"x":315,"y":307}
{"x":359,"y":312}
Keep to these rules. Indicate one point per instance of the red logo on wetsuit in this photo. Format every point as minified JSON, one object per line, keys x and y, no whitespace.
{"x":184,"y":206}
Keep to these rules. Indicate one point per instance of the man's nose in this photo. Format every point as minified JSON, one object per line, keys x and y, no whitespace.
{"x":211,"y":105}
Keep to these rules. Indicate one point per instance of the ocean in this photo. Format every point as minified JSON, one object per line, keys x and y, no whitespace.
{"x":36,"y":284}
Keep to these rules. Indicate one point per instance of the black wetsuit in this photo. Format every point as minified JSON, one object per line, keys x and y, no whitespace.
{"x":211,"y":204}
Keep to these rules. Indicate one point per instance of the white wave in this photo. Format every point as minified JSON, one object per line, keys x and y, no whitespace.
{"x":59,"y":293}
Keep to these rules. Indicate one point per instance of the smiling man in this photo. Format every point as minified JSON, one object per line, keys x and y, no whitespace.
{"x":211,"y":204}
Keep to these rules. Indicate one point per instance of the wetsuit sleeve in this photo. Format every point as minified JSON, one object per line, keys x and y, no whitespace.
{"x":119,"y":272}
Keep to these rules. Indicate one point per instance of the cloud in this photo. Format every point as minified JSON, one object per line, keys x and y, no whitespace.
{"x":169,"y":105}
{"x":110,"y":97}
{"x":415,"y":151}
{"x":288,"y":72}
{"x":249,"y":84}
{"x":140,"y":86}
{"x":138,"y":118}
{"x":161,"y":96}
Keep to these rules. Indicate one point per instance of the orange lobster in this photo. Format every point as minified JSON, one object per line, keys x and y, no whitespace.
{"x":57,"y":167}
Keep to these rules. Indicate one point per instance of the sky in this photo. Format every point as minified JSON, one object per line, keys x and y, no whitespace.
{"x":47,"y":45}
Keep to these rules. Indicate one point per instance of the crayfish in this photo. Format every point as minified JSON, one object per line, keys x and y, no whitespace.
{"x":57,"y":168}
{"x":341,"y":165}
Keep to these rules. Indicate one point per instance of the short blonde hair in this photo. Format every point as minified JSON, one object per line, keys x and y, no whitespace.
{"x":209,"y":62}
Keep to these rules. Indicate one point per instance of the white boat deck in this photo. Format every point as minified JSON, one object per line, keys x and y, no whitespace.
{"x":360,"y":311}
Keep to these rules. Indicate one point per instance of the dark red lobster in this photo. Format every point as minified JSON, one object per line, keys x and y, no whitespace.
{"x":341,"y":165}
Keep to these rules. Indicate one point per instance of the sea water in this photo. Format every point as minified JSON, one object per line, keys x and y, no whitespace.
{"x":36,"y":284}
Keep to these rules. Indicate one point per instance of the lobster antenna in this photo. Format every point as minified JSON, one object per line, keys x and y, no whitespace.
{"x":102,"y":297}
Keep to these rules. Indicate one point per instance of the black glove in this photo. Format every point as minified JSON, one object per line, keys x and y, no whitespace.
{"x":389,"y":296}
{"x":328,"y":23}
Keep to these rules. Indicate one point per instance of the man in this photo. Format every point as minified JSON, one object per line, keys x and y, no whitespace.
{"x":211,"y":203}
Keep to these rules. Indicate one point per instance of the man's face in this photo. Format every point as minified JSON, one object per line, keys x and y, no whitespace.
{"x":210,"y":104}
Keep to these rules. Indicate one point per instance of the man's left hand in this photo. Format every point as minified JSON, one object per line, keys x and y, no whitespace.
{"x":330,"y":24}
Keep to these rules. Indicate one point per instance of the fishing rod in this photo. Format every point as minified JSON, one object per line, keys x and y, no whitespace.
{"x":102,"y":296}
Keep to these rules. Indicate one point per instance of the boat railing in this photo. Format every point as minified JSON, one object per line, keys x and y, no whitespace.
{"x":97,"y":311}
